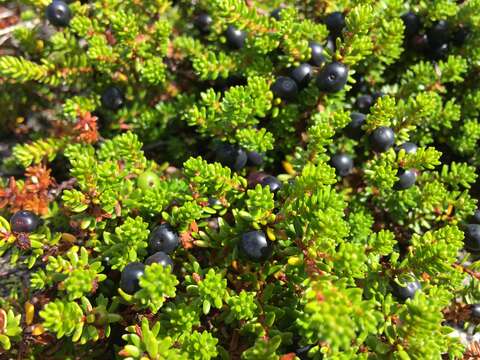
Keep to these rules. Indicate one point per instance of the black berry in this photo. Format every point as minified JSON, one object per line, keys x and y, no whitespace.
{"x":285,"y":88}
{"x":419,"y":43}
{"x":354,"y":129}
{"x":58,"y":13}
{"x":407,"y":291}
{"x":159,"y":258}
{"x":438,"y":34}
{"x":476,"y":217}
{"x":382,"y":139}
{"x":438,"y":52}
{"x":129,"y":280}
{"x":332,"y":77}
{"x":317,"y":58}
{"x":472,"y":237}
{"x":112,"y":98}
{"x":163,"y":238}
{"x":235,"y":37}
{"x":276,"y":13}
{"x":409,"y":147}
{"x":460,"y":35}
{"x":232,"y":156}
{"x":254,"y":158}
{"x":302,"y":75}
{"x":475,"y":311}
{"x":272,"y":182}
{"x":24,"y":222}
{"x":364,"y":103}
{"x":412,"y":24}
{"x":203,"y":22}
{"x":342,"y":163}
{"x":406,"y":179}
{"x":335,"y":23}
{"x":255,"y":246}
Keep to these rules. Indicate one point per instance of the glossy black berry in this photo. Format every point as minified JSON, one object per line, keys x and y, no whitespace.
{"x":472,"y":237}
{"x":254,"y":158}
{"x":160,"y":258}
{"x":407,"y":291}
{"x":438,"y":34}
{"x":332,"y":77}
{"x":342,"y":163}
{"x":476,"y":217}
{"x":232,"y":156}
{"x":335,"y":23}
{"x":409,"y":147}
{"x":317,"y":57}
{"x":272,"y":182}
{"x":364,"y":103}
{"x":382,"y":139}
{"x":412,"y":24}
{"x":24,"y":222}
{"x":276,"y":13}
{"x":203,"y":22}
{"x":302,"y":75}
{"x":112,"y":98}
{"x":58,"y":13}
{"x":406,"y":179}
{"x":419,"y":43}
{"x":354,"y":129}
{"x":438,"y":52}
{"x":163,"y":238}
{"x":460,"y":35}
{"x":255,"y":246}
{"x":285,"y":88}
{"x":129,"y":280}
{"x":235,"y":37}
{"x":475,"y":311}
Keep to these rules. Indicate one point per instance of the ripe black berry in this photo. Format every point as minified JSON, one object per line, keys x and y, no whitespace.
{"x":406,"y":179}
{"x":475,"y":311}
{"x":112,"y":98}
{"x":235,"y":37}
{"x":232,"y":156}
{"x":335,"y":23}
{"x":438,"y":34}
{"x":276,"y":13}
{"x":163,"y":238}
{"x":302,"y":75}
{"x":203,"y":22}
{"x":382,"y":139}
{"x":129,"y":280}
{"x":419,"y":43}
{"x":255,"y":246}
{"x":354,"y":129}
{"x":24,"y":222}
{"x":364,"y":103}
{"x":472,"y":237}
{"x":408,"y":291}
{"x":460,"y":35}
{"x":438,"y":52}
{"x":254,"y":158}
{"x":342,"y":163}
{"x":285,"y":88}
{"x":409,"y":147}
{"x":332,"y":77}
{"x":58,"y":13}
{"x":160,"y":258}
{"x":412,"y":24}
{"x":317,"y":58}
{"x":272,"y":182}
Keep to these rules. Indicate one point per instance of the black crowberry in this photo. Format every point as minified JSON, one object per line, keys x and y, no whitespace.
{"x":439,"y":52}
{"x":335,"y":23}
{"x":342,"y":163}
{"x":475,"y":311}
{"x":419,"y":43}
{"x":163,"y":238}
{"x":285,"y":88}
{"x":317,"y":58}
{"x":24,"y":222}
{"x":460,"y":35}
{"x":332,"y":77}
{"x":255,"y":246}
{"x":58,"y":13}
{"x":406,"y":179}
{"x":129,"y":280}
{"x":302,"y":75}
{"x":409,"y":147}
{"x":406,"y":292}
{"x":203,"y":22}
{"x":412,"y":24}
{"x":364,"y":103}
{"x":232,"y":156}
{"x":438,"y":34}
{"x":276,"y":13}
{"x":476,"y":217}
{"x":160,"y":258}
{"x":472,"y":237}
{"x":235,"y":37}
{"x":382,"y":139}
{"x":272,"y":182}
{"x":112,"y":98}
{"x":254,"y":158}
{"x":354,"y":128}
